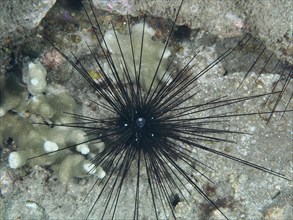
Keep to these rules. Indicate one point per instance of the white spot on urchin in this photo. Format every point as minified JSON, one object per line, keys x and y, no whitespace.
{"x":34,"y":81}
{"x":2,"y":112}
{"x":50,"y":146}
{"x":16,"y":160}
{"x":83,"y":149}
{"x":32,"y":205}
{"x":89,"y":168}
{"x":31,"y":65}
{"x":100,"y":172}
{"x":35,"y":99}
{"x":166,"y":54}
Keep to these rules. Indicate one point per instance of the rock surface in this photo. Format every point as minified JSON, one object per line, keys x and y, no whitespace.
{"x":19,"y":17}
{"x":268,"y":20}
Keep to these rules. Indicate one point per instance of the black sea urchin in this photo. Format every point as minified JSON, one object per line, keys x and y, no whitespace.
{"x":151,"y":131}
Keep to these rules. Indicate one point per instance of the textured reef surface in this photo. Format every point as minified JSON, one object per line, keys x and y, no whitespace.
{"x":37,"y":86}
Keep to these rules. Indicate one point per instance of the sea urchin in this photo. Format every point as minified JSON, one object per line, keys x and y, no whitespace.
{"x":152,"y":128}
